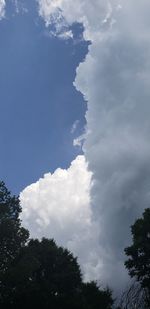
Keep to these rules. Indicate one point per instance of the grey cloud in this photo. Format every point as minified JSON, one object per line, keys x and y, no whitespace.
{"x":114,"y":79}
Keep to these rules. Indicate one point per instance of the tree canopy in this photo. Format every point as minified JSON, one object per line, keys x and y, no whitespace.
{"x":94,"y":298}
{"x":43,"y":273}
{"x":39,"y":272}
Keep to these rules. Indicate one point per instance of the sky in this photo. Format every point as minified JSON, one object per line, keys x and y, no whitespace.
{"x":75,"y":127}
{"x":39,"y":104}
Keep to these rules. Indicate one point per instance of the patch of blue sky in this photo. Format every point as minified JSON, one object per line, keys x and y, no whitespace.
{"x":38,"y":102}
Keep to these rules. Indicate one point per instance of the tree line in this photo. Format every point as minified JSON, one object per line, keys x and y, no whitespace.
{"x":40,"y":273}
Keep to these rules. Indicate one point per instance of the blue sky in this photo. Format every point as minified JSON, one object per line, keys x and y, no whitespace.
{"x":38,"y":103}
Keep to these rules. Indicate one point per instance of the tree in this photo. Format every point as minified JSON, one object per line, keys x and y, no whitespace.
{"x":133,"y":297}
{"x":12,"y":235}
{"x":138,"y":263}
{"x":49,"y":276}
{"x":94,"y":298}
{"x":43,"y":275}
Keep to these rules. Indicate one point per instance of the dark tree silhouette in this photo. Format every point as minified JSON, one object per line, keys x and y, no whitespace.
{"x":138,"y":263}
{"x":49,"y":276}
{"x":43,"y":274}
{"x":94,"y":298}
{"x":12,"y":236}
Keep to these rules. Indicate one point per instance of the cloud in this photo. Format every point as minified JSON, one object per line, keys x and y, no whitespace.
{"x":2,"y":8}
{"x":115,"y":81}
{"x":58,"y":206}
{"x":74,"y":126}
{"x":93,"y":16}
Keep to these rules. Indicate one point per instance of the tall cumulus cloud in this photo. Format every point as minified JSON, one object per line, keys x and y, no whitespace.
{"x":115,"y":81}
{"x":58,"y":206}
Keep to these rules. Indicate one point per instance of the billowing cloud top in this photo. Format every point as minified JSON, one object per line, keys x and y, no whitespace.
{"x":59,"y":201}
{"x":115,"y":81}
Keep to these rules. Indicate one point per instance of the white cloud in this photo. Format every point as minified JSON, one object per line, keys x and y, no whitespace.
{"x":65,"y":35}
{"x":58,"y":206}
{"x":74,"y":126}
{"x":78,"y":142}
{"x":2,"y":8}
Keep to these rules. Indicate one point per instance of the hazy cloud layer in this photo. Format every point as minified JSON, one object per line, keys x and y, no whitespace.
{"x":115,"y":81}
